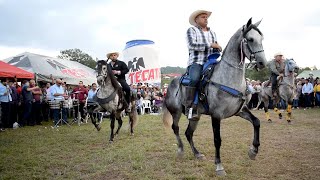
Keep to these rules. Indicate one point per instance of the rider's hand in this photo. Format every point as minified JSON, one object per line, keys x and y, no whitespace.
{"x":216,"y":46}
{"x":281,"y":74}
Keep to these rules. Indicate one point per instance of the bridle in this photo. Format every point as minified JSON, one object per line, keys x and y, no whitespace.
{"x":244,"y":42}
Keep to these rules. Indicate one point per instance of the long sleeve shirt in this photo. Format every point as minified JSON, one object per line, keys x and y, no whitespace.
{"x":307,"y":88}
{"x":122,"y":67}
{"x":199,"y":44}
{"x":276,"y":67}
{"x":4,"y":94}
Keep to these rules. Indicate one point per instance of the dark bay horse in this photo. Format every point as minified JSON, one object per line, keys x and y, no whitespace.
{"x":229,"y":73}
{"x":110,"y":98}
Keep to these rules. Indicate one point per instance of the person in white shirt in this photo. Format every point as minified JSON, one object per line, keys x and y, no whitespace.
{"x":307,"y":89}
{"x":57,"y":94}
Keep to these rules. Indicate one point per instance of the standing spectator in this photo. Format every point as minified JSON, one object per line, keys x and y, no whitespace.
{"x":92,"y":92}
{"x":317,"y":92}
{"x":57,"y":95}
{"x":36,"y":103}
{"x":81,"y":94}
{"x":27,"y":101}
{"x":5,"y":99}
{"x":307,"y":89}
{"x":297,"y":95}
{"x":45,"y":104}
{"x":14,"y":104}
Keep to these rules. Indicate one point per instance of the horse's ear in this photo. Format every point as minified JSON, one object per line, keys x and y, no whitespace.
{"x":257,"y":23}
{"x":249,"y":22}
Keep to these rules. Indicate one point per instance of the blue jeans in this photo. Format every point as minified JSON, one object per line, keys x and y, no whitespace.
{"x":26,"y":113}
{"x":56,"y":115}
{"x":295,"y":103}
{"x":318,"y":98}
{"x":194,"y":71}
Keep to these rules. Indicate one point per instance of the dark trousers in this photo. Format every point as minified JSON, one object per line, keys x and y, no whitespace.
{"x":126,"y":89}
{"x":36,"y":113}
{"x":5,"y":117}
{"x":13,"y":112}
{"x":318,"y":98}
{"x":253,"y":101}
{"x":27,"y":109}
{"x":45,"y":111}
{"x":307,"y":101}
{"x":81,"y":110}
{"x":57,"y":115}
{"x":273,"y":79}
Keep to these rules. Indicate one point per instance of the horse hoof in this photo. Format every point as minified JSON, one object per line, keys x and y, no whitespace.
{"x":201,"y":157}
{"x":110,"y":141}
{"x":98,"y":128}
{"x":269,"y":121}
{"x":180,"y":153}
{"x":221,"y":173}
{"x":289,"y":121}
{"x":132,"y":134}
{"x":252,"y":154}
{"x":280,"y":116}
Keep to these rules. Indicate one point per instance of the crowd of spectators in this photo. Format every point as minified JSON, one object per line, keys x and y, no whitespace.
{"x":29,"y":104}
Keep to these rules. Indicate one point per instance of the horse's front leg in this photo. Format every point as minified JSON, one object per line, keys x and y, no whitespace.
{"x":119,"y":119}
{"x":289,"y":111}
{"x":193,"y":123}
{"x":112,"y":118}
{"x":93,"y":118}
{"x":246,"y":114}
{"x":217,"y":143}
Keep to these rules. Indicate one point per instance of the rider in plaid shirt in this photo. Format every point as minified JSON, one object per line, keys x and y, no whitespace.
{"x":201,"y":43}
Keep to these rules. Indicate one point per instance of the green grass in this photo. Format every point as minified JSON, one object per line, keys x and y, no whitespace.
{"x":40,"y":152}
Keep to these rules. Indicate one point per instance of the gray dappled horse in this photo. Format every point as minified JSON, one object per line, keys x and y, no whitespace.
{"x":110,"y":98}
{"x":286,"y":90}
{"x":230,"y":71}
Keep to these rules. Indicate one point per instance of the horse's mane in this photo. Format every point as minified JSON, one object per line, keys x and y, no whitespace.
{"x":113,"y":78}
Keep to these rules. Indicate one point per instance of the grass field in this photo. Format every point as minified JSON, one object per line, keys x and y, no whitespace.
{"x":286,"y":151}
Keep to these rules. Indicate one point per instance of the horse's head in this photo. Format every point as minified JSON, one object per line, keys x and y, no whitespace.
{"x":291,"y":66}
{"x":251,"y":45}
{"x":102,"y":71}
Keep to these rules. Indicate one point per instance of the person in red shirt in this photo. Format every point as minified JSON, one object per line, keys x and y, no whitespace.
{"x":36,"y":104}
{"x":80,"y":93}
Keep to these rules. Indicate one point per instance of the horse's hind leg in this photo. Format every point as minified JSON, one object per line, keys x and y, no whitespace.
{"x":246,"y":114}
{"x":189,"y":134}
{"x":217,"y":143}
{"x":175,"y":127}
{"x":266,"y":111}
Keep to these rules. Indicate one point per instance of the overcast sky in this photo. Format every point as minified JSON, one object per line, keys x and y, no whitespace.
{"x":99,"y":26}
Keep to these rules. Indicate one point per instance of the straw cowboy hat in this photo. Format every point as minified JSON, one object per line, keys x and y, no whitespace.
{"x":278,"y":54}
{"x":108,"y":55}
{"x":192,"y":18}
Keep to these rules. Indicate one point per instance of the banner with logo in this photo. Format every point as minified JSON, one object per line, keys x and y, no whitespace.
{"x":142,"y":59}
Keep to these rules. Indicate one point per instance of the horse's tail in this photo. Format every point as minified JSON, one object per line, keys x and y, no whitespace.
{"x":167,"y":117}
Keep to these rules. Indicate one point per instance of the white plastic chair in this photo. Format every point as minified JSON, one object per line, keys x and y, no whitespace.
{"x":146,"y":104}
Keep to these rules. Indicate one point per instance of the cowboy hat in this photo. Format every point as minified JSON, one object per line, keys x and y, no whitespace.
{"x":108,"y":55}
{"x":278,"y":54}
{"x":192,"y":18}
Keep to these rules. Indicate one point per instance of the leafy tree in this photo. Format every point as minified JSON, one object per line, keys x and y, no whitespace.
{"x":261,"y":75}
{"x":169,"y":69}
{"x":78,"y":56}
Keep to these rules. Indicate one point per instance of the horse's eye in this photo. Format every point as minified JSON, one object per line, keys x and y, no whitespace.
{"x":250,"y":39}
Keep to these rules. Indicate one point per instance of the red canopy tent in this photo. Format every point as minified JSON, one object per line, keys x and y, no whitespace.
{"x":9,"y":71}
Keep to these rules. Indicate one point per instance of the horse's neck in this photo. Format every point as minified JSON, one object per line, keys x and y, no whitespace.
{"x":288,"y":77}
{"x":226,"y":74}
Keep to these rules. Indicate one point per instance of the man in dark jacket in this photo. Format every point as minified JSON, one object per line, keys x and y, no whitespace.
{"x":119,"y":69}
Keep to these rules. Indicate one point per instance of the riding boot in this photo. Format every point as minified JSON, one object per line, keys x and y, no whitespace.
{"x":127,"y":99}
{"x":191,"y":108}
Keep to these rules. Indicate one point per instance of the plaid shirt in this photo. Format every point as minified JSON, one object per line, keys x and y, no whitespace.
{"x":199,"y":48}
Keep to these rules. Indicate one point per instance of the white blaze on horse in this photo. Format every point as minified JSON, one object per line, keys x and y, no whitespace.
{"x":224,"y":92}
